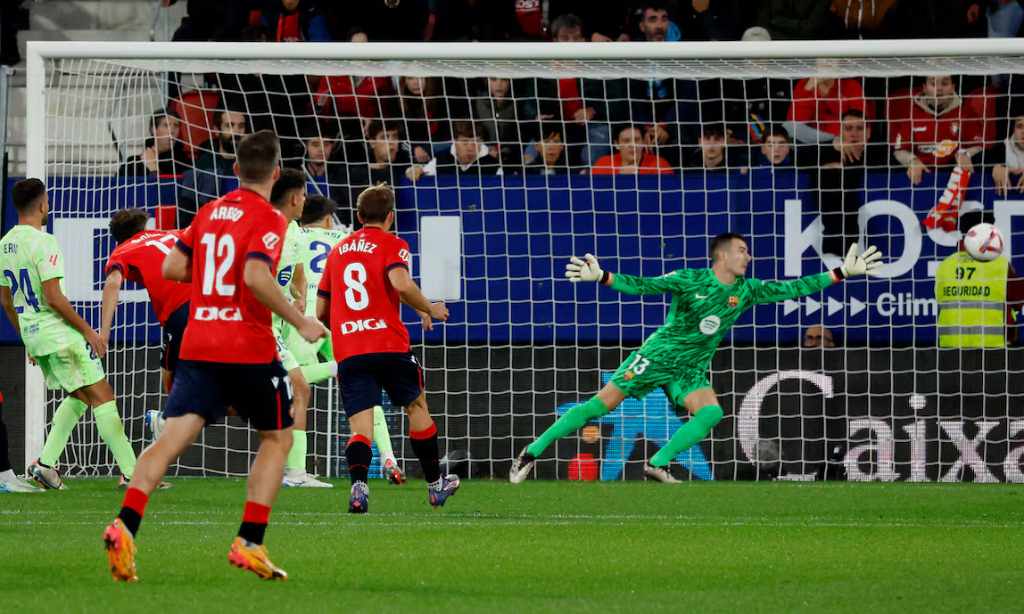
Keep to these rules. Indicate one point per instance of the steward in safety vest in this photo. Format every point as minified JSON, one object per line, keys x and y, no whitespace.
{"x":978,"y":301}
{"x":972,"y":301}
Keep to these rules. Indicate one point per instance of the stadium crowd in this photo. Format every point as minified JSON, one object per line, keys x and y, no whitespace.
{"x":351,"y":131}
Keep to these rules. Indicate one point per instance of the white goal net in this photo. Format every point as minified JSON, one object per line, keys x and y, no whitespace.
{"x":507,"y":159}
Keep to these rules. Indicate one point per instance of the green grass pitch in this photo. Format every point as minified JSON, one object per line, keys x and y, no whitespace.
{"x":539,"y":547}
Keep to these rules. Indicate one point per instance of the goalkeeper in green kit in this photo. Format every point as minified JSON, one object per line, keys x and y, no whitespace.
{"x":677,"y":357}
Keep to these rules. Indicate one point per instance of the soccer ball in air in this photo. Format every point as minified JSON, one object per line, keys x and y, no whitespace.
{"x":984,"y":242}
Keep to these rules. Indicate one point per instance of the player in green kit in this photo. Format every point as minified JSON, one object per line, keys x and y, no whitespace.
{"x":676,"y":358}
{"x":319,"y":235}
{"x":289,"y":197}
{"x":56,"y":338}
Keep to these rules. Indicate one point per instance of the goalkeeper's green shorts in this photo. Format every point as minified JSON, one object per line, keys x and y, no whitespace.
{"x":637,"y":376}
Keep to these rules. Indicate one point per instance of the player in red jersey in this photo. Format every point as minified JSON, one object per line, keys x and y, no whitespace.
{"x":228,"y":356}
{"x":364,"y":280}
{"x":139,"y":257}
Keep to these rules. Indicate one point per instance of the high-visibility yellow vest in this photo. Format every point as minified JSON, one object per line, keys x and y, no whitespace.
{"x":972,"y":302}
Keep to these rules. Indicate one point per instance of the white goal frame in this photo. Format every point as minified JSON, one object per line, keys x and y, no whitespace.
{"x":645,"y":60}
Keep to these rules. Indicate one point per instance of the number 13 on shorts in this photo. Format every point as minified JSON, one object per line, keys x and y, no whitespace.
{"x":638,"y":365}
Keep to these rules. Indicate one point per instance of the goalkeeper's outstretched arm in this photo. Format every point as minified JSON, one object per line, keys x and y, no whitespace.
{"x":854,"y":265}
{"x":588,"y":269}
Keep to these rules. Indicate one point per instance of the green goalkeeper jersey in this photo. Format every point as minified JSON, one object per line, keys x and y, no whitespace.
{"x":318,"y":243}
{"x":703,"y":309}
{"x":28,"y":257}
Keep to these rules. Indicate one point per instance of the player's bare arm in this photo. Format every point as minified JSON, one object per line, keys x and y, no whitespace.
{"x":412,"y":296}
{"x":111,"y":293}
{"x":8,"y":303}
{"x":177,"y":266}
{"x":323,"y":310}
{"x":264,"y":287}
{"x":61,"y":306}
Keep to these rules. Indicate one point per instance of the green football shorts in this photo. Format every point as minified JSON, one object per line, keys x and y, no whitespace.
{"x":72,"y":367}
{"x":637,"y":376}
{"x":304,"y":352}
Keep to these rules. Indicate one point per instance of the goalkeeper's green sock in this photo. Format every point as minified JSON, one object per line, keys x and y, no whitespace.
{"x":108,"y":423}
{"x":319,"y":372}
{"x":381,"y":435}
{"x":572,"y":421}
{"x":68,"y":413}
{"x":297,"y":455}
{"x":695,"y":429}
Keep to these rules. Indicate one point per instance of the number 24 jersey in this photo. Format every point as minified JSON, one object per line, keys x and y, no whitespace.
{"x":364,"y":307}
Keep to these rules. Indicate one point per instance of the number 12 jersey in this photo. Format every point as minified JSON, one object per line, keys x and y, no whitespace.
{"x":227,"y":323}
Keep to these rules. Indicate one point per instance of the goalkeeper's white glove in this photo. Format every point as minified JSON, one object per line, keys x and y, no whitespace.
{"x":864,"y":264}
{"x":585,"y":269}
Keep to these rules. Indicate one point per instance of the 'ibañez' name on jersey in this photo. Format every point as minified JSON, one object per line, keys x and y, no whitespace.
{"x":224,"y":212}
{"x":362,"y":245}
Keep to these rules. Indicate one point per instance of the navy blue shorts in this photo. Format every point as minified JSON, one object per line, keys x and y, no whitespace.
{"x":362,"y":377}
{"x":174,"y":331}
{"x":259,"y":393}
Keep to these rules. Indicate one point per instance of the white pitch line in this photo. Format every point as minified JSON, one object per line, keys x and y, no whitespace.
{"x":541,"y":521}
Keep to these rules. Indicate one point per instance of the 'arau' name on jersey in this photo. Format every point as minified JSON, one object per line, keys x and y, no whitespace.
{"x":361,"y":245}
{"x":225,"y":212}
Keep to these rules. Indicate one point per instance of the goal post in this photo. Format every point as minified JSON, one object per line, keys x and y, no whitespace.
{"x":523,"y":344}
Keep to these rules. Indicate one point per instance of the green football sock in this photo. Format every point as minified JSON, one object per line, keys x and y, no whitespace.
{"x":572,"y":421}
{"x":108,"y":423}
{"x":327,"y":350}
{"x":381,"y":436}
{"x":68,"y":413}
{"x":695,"y":429}
{"x":297,"y":456}
{"x":319,"y":372}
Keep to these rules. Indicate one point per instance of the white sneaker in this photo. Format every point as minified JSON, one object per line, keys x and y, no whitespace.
{"x":661,"y":474}
{"x":47,"y":477}
{"x":521,"y":467}
{"x":155,"y":421}
{"x":301,"y":479}
{"x":12,"y":483}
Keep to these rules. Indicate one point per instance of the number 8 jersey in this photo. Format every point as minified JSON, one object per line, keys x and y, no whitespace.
{"x":365,"y":317}
{"x":227,"y":323}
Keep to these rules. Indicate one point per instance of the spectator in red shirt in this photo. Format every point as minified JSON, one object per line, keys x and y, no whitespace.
{"x":290,"y":21}
{"x":818,"y":106}
{"x":631,"y":157}
{"x":934,"y":128}
{"x":350,"y":96}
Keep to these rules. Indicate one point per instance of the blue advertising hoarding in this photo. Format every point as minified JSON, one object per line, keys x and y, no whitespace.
{"x":517,"y":233}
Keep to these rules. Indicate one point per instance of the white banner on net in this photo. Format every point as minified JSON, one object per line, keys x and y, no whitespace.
{"x":719,"y":141}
